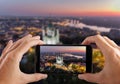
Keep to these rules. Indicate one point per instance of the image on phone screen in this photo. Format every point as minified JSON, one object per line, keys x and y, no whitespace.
{"x":62,"y":59}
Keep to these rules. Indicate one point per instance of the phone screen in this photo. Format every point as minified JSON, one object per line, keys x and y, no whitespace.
{"x":62,"y":59}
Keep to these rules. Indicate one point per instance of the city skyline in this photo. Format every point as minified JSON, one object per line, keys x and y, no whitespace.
{"x":60,"y":7}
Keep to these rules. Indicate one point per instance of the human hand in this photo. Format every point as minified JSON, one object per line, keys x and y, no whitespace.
{"x":111,"y":71}
{"x":10,"y":60}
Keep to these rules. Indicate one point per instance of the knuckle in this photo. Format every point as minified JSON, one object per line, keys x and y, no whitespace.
{"x":10,"y":57}
{"x":112,"y":51}
{"x":29,"y":35}
{"x":13,"y":54}
{"x":27,"y":41}
{"x":105,"y":37}
{"x":88,"y":38}
{"x":98,"y":36}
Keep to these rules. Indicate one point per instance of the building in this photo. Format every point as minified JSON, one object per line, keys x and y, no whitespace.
{"x":59,"y":60}
{"x":50,"y":35}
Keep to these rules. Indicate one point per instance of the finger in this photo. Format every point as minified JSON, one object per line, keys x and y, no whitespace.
{"x":102,"y":44}
{"x":41,"y":42}
{"x":34,"y":77}
{"x":24,"y":47}
{"x":6,"y":49}
{"x":0,"y":60}
{"x":112,"y":43}
{"x":29,"y":35}
{"x":95,"y":78}
{"x":17,"y":43}
{"x":8,"y":46}
{"x":36,"y":37}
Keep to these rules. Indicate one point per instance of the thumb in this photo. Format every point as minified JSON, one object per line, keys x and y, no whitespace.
{"x":95,"y":78}
{"x":35,"y":77}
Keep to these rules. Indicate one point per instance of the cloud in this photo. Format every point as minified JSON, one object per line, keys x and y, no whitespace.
{"x":92,"y":27}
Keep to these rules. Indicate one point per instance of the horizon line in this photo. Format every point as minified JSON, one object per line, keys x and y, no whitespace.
{"x":59,"y":15}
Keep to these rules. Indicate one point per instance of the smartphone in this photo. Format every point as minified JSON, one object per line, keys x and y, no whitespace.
{"x":64,"y":59}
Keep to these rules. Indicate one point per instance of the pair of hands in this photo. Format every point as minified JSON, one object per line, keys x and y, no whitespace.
{"x":12,"y":54}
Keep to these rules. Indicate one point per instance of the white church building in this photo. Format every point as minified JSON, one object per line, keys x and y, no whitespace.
{"x":50,"y":35}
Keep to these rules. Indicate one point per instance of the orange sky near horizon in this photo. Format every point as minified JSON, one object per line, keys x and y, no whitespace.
{"x":60,"y":7}
{"x":63,"y":49}
{"x":88,"y":13}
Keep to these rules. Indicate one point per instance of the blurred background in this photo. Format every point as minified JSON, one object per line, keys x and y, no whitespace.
{"x":59,"y":22}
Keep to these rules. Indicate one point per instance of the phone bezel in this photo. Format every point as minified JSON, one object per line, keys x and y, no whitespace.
{"x":88,"y":59}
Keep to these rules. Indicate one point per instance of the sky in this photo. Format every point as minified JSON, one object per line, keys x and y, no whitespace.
{"x":63,"y":49}
{"x":60,"y":7}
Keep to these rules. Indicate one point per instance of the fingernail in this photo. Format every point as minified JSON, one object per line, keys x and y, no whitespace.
{"x":10,"y":41}
{"x":38,"y":35}
{"x":82,"y":43}
{"x":45,"y":76}
{"x":41,"y":42}
{"x":29,"y":35}
{"x":80,"y":77}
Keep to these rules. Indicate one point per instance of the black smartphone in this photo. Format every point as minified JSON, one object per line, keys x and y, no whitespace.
{"x":64,"y":59}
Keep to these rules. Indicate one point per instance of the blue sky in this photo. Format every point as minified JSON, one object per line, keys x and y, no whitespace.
{"x":58,"y":7}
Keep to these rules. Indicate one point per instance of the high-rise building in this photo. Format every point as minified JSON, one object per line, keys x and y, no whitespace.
{"x":50,"y":35}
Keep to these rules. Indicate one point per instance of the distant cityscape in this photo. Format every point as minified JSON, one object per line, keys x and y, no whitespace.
{"x":70,"y":30}
{"x":62,"y":63}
